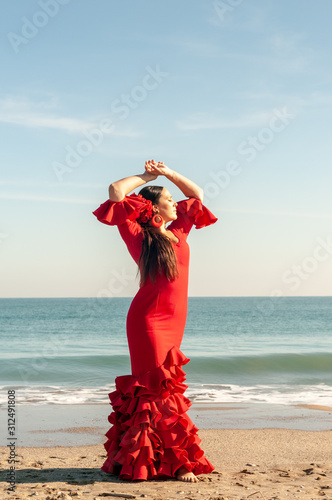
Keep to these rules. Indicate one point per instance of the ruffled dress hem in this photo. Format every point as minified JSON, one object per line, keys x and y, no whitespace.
{"x":151,"y":435}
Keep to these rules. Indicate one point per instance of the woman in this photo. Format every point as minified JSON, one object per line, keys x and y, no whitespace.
{"x":152,"y":436}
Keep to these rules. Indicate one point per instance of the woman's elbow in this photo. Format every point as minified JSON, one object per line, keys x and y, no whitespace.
{"x":114,"y":193}
{"x":200,"y":195}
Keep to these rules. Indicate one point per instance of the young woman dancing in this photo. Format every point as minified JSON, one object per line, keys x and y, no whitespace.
{"x":151,"y":434}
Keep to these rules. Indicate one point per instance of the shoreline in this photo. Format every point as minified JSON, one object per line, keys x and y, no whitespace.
{"x":86,"y":424}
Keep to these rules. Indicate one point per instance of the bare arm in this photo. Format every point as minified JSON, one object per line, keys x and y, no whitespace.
{"x":119,"y":189}
{"x":188,"y":187}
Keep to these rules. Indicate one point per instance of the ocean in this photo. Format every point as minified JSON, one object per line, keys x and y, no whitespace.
{"x":241,"y":349}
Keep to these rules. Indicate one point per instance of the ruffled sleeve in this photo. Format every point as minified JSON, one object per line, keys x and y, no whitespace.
{"x":115,"y":213}
{"x":200,"y":215}
{"x":123,"y":214}
{"x":191,"y":212}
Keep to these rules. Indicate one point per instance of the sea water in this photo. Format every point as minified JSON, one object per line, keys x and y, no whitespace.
{"x":241,"y":349}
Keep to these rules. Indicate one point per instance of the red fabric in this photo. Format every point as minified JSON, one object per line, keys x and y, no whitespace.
{"x":151,"y":435}
{"x":117,"y":212}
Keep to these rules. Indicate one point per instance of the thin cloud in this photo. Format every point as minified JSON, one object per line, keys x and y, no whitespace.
{"x":292,"y":65}
{"x":317,"y":99}
{"x":295,"y":102}
{"x":273,"y":212}
{"x":284,"y":44}
{"x":33,"y":183}
{"x":201,"y":121}
{"x":51,"y":199}
{"x":20,"y":111}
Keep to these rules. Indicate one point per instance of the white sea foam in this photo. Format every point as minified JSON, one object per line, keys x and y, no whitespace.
{"x":320,"y":394}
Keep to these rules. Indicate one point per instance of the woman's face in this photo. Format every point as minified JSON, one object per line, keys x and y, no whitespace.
{"x":167,"y":206}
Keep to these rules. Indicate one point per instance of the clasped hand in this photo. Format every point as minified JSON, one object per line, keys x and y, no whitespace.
{"x":156,"y":168}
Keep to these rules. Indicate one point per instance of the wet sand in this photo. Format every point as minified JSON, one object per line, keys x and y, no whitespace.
{"x":254,"y":463}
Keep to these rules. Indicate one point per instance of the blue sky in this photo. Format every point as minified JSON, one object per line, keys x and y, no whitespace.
{"x":235,"y":95}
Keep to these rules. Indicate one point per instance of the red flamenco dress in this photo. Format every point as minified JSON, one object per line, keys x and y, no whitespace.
{"x":151,"y":434}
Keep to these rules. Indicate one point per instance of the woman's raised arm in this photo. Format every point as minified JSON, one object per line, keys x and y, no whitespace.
{"x":119,"y":189}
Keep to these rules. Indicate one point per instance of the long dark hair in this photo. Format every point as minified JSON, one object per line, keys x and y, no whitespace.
{"x":157,"y":254}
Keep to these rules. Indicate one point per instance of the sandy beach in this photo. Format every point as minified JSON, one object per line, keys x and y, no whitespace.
{"x":270,"y":463}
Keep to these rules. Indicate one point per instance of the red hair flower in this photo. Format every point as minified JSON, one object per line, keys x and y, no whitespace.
{"x":147,"y":212}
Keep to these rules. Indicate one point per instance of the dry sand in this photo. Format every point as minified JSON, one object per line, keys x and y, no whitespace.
{"x":250,"y":464}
